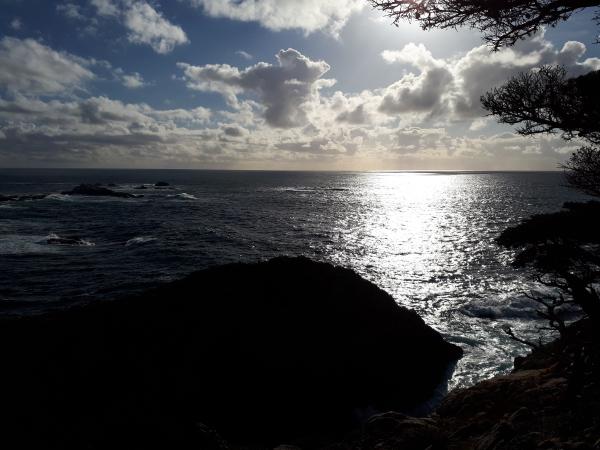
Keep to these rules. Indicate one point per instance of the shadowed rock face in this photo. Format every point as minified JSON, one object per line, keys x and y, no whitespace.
{"x":264,"y":353}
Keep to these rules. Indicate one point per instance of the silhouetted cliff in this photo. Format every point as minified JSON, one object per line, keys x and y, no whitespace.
{"x":288,"y":350}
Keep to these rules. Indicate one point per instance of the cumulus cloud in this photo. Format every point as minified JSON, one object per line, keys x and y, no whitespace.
{"x":234,"y":131}
{"x":283,"y":89}
{"x":31,"y":68}
{"x":306,"y":15}
{"x":452,"y":87}
{"x":424,"y":93}
{"x":145,"y":24}
{"x":133,"y":81}
{"x":276,"y":113}
{"x":356,"y":116}
{"x":421,"y":93}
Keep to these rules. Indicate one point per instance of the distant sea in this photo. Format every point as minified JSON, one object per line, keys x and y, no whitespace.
{"x":426,"y":238}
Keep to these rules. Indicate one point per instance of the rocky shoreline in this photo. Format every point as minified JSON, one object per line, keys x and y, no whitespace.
{"x":288,"y":350}
{"x":551,"y":400}
{"x":251,"y":356}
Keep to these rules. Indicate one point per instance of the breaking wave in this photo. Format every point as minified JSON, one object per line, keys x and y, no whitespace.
{"x":139,"y":240}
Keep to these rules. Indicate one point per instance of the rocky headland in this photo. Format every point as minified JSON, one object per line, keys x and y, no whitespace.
{"x":285,"y":351}
{"x":289,"y":351}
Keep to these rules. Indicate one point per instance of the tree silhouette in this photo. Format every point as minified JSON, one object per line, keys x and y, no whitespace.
{"x":563,"y":250}
{"x":547,"y":101}
{"x":502,"y":22}
{"x":583,"y":170}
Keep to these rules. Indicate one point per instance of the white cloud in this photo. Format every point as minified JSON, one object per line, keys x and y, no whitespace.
{"x":278,"y":114}
{"x":70,"y":10}
{"x":306,"y":15}
{"x":244,"y":54}
{"x":283,"y":89}
{"x":133,"y":81}
{"x":450,"y":88}
{"x":415,"y":55}
{"x":106,"y":7}
{"x":31,"y":68}
{"x":16,"y":24}
{"x":355,"y":116}
{"x":147,"y":26}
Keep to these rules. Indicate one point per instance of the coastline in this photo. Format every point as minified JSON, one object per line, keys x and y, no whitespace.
{"x":550,"y":400}
{"x":543,"y":403}
{"x":284,"y":350}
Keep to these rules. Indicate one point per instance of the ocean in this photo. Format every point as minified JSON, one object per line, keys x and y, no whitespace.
{"x":426,"y":238}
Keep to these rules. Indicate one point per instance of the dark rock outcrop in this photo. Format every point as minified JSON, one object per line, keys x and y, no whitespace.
{"x":282,"y":351}
{"x":21,"y":198}
{"x":550,"y":401}
{"x":60,"y":240}
{"x":161,"y":184}
{"x":97,"y":191}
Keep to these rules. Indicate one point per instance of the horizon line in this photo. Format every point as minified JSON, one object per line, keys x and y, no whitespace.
{"x":298,"y":170}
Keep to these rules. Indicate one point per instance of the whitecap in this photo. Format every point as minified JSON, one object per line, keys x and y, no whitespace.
{"x":185,"y":196}
{"x":513,"y":308}
{"x":139,"y":240}
{"x":300,"y":190}
{"x":55,"y":239}
{"x":60,"y":197}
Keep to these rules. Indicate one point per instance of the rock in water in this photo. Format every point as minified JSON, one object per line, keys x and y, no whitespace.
{"x":22,"y":198}
{"x":161,"y":184}
{"x":97,"y":191}
{"x":263,"y":353}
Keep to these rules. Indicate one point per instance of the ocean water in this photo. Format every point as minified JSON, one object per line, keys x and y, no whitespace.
{"x":426,"y":238}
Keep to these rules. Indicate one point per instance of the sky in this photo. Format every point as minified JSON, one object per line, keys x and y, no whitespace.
{"x":262,"y":84}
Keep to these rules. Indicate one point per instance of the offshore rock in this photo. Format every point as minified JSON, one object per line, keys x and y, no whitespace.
{"x":284,"y":351}
{"x":54,"y":239}
{"x":97,"y":191}
{"x":21,"y":198}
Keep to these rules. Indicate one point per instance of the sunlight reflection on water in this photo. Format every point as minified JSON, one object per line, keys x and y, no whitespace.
{"x":426,"y":238}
